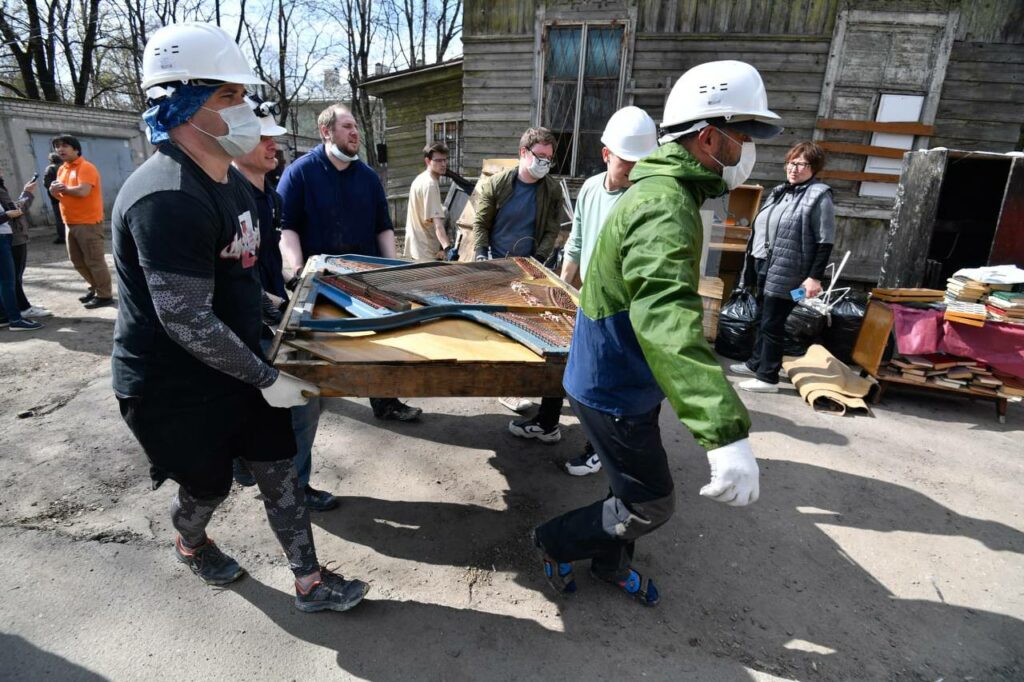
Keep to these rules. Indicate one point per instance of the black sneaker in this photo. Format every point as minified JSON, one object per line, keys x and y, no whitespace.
{"x":98,"y":302}
{"x":213,"y":566}
{"x":397,"y":410}
{"x":331,"y":593}
{"x":89,"y":295}
{"x":583,"y":465}
{"x":24,"y":325}
{"x":531,"y":428}
{"x":320,"y":500}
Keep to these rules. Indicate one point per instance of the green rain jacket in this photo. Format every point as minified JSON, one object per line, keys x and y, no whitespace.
{"x":639,"y":331}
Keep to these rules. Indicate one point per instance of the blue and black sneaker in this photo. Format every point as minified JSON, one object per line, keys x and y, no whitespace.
{"x":558,"y":573}
{"x":636,"y":586}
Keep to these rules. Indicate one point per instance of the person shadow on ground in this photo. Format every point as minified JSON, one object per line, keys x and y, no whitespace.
{"x":763,"y":587}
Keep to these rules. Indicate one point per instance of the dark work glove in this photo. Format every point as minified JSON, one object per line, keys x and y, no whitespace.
{"x":451,"y":253}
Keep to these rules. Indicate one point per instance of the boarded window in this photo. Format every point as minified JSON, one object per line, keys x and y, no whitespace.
{"x":581,"y":94}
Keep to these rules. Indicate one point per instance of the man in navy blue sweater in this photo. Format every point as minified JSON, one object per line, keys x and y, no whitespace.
{"x":333,"y":203}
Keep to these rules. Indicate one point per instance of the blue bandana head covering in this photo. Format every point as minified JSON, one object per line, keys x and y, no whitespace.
{"x":171,"y":112}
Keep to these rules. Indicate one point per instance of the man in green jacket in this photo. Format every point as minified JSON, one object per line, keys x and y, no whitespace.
{"x":519,"y":210}
{"x":639,"y":339}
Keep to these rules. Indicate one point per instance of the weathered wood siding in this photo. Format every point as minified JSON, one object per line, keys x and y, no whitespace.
{"x":789,"y":42}
{"x":792,"y":68}
{"x":982,"y":105}
{"x":497,"y":81}
{"x":408,"y":100}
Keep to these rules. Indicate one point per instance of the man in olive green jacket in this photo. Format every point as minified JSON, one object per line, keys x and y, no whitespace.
{"x":519,"y":211}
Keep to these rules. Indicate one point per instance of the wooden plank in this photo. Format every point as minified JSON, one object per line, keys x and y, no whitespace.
{"x":988,"y":52}
{"x":910,"y":232}
{"x":858,"y":176}
{"x":908,"y":128}
{"x":873,"y":337}
{"x":861,"y":149}
{"x":430,"y":379}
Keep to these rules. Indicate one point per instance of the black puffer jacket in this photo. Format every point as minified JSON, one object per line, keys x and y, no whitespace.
{"x":804,"y":237}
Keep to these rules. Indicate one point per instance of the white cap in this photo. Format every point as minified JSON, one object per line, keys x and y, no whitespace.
{"x":729,"y":90}
{"x":192,"y":51}
{"x":630,"y":134}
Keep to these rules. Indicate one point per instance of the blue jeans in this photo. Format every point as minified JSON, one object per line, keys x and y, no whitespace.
{"x":8,"y":274}
{"x":305,"y":420}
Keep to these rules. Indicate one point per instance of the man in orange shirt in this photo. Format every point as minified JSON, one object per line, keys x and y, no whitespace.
{"x":81,"y":205}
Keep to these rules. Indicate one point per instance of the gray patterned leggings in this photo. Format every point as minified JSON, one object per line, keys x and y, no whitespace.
{"x":286,"y":512}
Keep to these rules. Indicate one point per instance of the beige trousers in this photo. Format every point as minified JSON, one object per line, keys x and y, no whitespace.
{"x":85,"y":249}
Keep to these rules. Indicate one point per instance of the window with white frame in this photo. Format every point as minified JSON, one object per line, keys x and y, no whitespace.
{"x":582,"y":88}
{"x":447,"y":128}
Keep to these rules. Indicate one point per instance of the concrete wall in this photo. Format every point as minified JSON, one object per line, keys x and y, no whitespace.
{"x":21,"y":119}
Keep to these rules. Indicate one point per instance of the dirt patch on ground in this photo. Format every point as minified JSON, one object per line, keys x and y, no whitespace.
{"x":882,"y":548}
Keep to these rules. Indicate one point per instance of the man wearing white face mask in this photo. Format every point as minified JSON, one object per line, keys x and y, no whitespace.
{"x":519,"y":210}
{"x":191,"y":381}
{"x":638,"y":337}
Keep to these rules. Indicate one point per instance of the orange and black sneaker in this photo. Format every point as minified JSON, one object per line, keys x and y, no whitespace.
{"x":331,"y":593}
{"x":213,"y":566}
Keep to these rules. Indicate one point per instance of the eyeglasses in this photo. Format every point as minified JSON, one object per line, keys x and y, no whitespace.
{"x":798,"y":165}
{"x":545,"y":159}
{"x":439,"y":160}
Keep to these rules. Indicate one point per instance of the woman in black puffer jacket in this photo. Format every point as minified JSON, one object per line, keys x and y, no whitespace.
{"x":791,"y":244}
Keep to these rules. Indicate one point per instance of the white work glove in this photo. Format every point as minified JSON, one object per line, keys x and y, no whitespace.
{"x":734,"y":475}
{"x":289,"y":391}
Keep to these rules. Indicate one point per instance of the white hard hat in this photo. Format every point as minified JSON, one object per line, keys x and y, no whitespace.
{"x":265,"y":112}
{"x":191,"y":51}
{"x":630,"y":134}
{"x":728,"y":90}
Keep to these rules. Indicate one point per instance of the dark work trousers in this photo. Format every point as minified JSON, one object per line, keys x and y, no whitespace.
{"x":641,"y":496}
{"x":20,"y":253}
{"x":58,"y":221}
{"x":549,"y":413}
{"x":766,"y":360}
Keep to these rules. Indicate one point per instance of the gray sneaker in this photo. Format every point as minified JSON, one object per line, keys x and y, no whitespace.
{"x":741,"y":368}
{"x":583,"y":465}
{"x":213,"y":566}
{"x":331,"y":593}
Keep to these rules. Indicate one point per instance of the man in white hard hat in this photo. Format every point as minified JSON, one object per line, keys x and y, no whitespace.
{"x":629,"y":135}
{"x":638,"y":337}
{"x":188,"y":372}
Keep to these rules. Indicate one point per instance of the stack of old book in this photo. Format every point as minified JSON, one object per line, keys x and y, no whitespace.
{"x":963,"y":301}
{"x":947,"y":371}
{"x":965,"y":289}
{"x":1005,"y":306}
{"x":1013,"y":387}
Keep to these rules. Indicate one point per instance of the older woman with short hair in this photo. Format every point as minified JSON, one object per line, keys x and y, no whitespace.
{"x":791,"y":244}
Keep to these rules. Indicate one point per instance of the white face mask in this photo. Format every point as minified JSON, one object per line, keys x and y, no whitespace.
{"x":538,"y":168}
{"x":336,"y":152}
{"x":243,"y":130}
{"x":734,"y":176}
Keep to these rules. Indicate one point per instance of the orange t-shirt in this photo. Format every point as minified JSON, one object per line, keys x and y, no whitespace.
{"x":87,"y":210}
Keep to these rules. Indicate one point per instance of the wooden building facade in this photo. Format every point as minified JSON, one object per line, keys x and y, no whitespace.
{"x":957,"y":66}
{"x":421,"y":106}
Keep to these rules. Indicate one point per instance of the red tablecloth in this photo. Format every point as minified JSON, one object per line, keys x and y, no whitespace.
{"x":921,"y":331}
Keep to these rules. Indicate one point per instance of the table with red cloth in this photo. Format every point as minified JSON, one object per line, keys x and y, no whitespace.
{"x":919,"y":331}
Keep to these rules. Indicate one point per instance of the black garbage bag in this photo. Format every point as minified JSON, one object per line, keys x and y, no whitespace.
{"x":840,"y":336}
{"x":737,"y":325}
{"x":803,"y":328}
